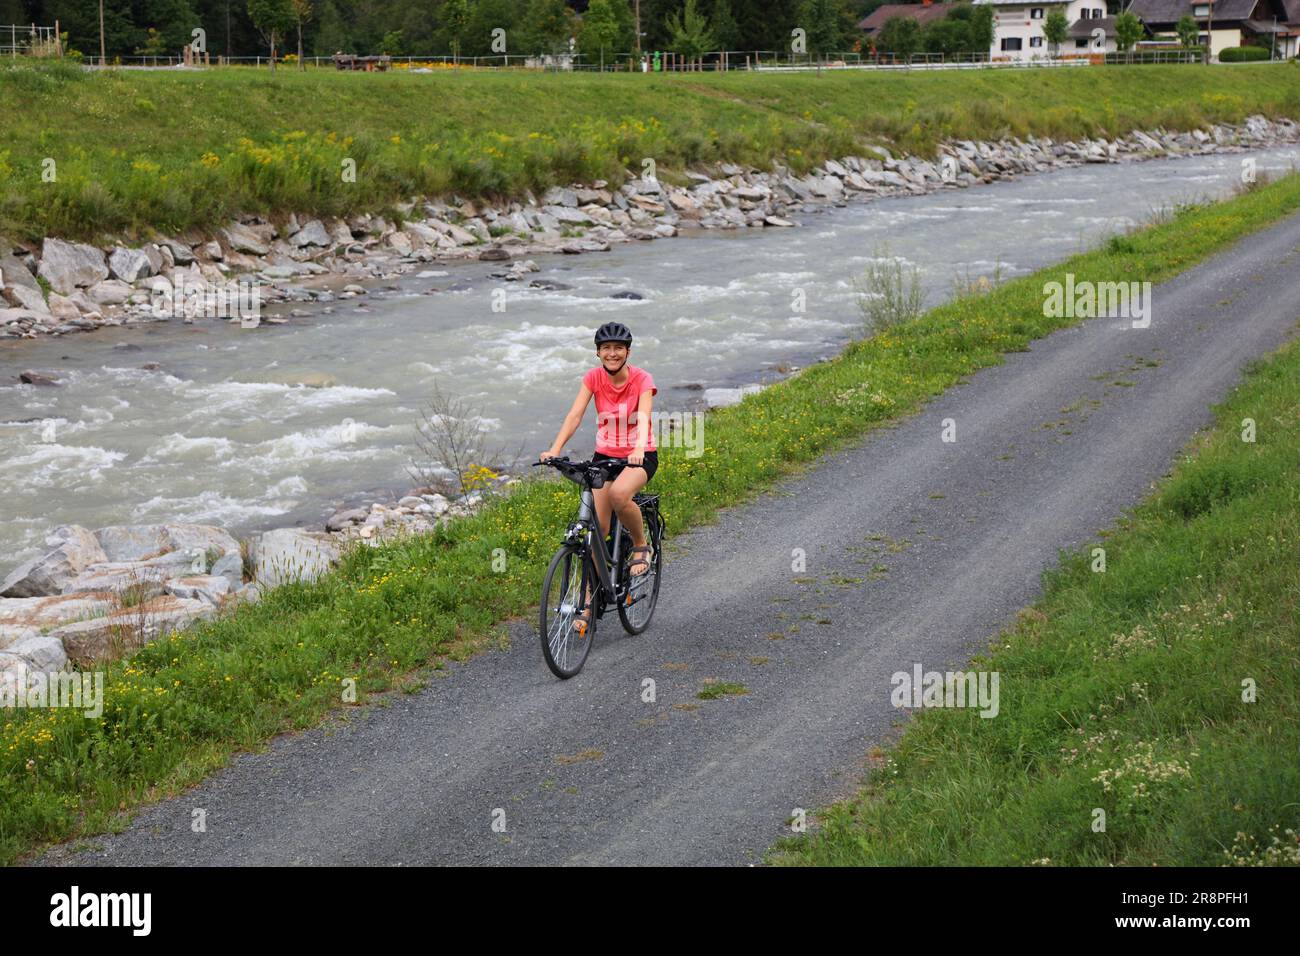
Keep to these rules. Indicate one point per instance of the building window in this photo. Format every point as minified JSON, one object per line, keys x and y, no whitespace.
{"x":1201,"y":10}
{"x":1011,"y":43}
{"x":1035,"y":13}
{"x":1085,"y":14}
{"x":1098,"y":13}
{"x":1080,"y":44}
{"x":1035,"y":41}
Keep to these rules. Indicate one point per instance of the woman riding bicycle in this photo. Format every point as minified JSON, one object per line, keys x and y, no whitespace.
{"x":623,"y":394}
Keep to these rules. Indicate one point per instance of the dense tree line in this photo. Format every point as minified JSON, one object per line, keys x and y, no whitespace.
{"x":965,"y":29}
{"x":444,"y":27}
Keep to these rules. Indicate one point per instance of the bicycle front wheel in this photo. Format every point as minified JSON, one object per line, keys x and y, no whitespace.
{"x":567,"y":581}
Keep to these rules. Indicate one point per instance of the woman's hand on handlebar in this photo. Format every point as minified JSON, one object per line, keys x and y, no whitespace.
{"x":636,"y":457}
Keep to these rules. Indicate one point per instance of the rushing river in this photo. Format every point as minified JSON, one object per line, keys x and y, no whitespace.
{"x":219,"y":433}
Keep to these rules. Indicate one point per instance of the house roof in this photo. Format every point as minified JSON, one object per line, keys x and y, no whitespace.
{"x":1082,"y":29}
{"x":1171,"y":11}
{"x":922,"y":13}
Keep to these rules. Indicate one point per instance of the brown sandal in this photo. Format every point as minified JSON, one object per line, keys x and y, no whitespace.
{"x":644,"y":562}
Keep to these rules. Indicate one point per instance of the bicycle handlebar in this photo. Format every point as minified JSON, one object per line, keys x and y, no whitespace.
{"x":593,"y":472}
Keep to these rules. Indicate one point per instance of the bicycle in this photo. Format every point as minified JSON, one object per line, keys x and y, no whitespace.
{"x":583,"y":565}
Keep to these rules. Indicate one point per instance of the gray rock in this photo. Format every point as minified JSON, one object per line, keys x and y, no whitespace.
{"x":101,"y":638}
{"x":230,"y":566}
{"x":122,"y":577}
{"x":180,"y":253}
{"x":244,"y":239}
{"x":210,"y":588}
{"x":109,"y":292}
{"x":627,"y":294}
{"x":289,"y":554}
{"x":550,"y":285}
{"x":565,"y":214}
{"x":13,"y":273}
{"x":13,"y":633}
{"x":494,"y":254}
{"x":129,"y":265}
{"x":76,"y":550}
{"x":30,"y":377}
{"x":67,"y":266}
{"x":27,"y":299}
{"x":557,"y":196}
{"x":22,"y":618}
{"x":345,"y":519}
{"x":438,"y":504}
{"x":41,"y":653}
{"x":140,"y":542}
{"x":313,"y":233}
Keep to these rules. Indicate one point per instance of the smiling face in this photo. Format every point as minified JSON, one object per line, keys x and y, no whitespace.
{"x":612,"y":355}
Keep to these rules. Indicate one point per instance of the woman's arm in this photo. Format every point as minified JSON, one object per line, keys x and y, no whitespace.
{"x":571,"y":423}
{"x":642,"y":427}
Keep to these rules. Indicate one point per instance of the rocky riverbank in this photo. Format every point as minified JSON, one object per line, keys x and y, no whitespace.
{"x":97,"y":595}
{"x":67,"y":287}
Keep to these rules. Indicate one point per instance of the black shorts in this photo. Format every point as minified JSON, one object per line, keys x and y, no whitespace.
{"x":651,"y":464}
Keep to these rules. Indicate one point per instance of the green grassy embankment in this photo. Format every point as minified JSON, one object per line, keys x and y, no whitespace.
{"x":181,"y":706}
{"x":135,"y":150}
{"x":1164,"y":691}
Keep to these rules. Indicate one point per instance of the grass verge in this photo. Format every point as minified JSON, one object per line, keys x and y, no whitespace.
{"x":135,"y":150}
{"x":181,"y":706}
{"x":1162,"y":693}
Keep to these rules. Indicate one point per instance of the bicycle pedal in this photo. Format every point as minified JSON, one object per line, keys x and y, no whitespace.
{"x":580,"y":627}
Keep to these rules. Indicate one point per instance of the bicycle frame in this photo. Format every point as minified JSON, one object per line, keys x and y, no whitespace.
{"x":594,"y":543}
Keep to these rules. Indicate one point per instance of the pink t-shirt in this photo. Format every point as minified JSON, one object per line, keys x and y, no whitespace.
{"x":616,"y":410}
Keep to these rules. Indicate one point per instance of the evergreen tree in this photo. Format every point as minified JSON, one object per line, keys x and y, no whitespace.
{"x":602,"y":34}
{"x":820,"y":19}
{"x":689,"y":33}
{"x":723,"y":26}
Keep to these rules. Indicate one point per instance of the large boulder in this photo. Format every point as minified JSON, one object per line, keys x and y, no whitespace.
{"x":210,"y":588}
{"x":40,"y":653}
{"x":244,"y":239}
{"x":103,"y":638}
{"x":109,"y":292}
{"x":28,"y":299}
{"x":128,"y":265}
{"x":313,"y":233}
{"x":139,"y":542}
{"x":75,"y":550}
{"x":21,"y":615}
{"x":290,"y":554}
{"x":14,"y":272}
{"x":67,"y":266}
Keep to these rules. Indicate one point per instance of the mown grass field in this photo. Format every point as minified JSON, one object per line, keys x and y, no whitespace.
{"x":181,"y":706}
{"x":1127,"y":691}
{"x":134,"y":150}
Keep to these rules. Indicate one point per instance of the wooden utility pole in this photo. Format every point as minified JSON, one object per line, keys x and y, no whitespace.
{"x":103,"y":59}
{"x":636,"y":12}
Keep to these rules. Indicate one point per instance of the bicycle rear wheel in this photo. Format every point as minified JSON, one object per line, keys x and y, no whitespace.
{"x":567,"y":581}
{"x":638,"y":604}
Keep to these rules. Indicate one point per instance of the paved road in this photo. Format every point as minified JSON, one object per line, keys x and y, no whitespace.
{"x":586,"y":772}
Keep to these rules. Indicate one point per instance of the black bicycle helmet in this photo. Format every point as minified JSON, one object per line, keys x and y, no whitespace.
{"x":613,"y":332}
